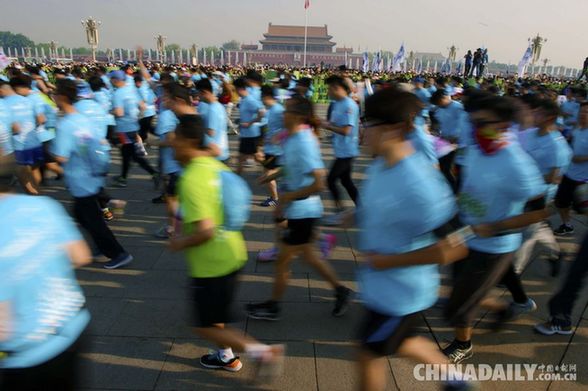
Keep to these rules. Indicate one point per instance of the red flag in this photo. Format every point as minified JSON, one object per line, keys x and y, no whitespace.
{"x":306,"y":4}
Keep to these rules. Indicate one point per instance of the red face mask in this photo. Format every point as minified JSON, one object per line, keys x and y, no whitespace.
{"x":490,"y":140}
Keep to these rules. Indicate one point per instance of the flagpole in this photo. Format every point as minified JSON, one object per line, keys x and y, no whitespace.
{"x":305,"y":32}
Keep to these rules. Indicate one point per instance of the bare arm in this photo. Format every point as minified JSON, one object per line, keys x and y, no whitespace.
{"x":343,"y":130}
{"x":79,"y":253}
{"x":316,"y":186}
{"x":203,"y":232}
{"x":443,"y":252}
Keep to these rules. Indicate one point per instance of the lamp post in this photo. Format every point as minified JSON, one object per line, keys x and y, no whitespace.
{"x":160,"y":44}
{"x":91,"y":27}
{"x":53,"y":49}
{"x":536,"y":45}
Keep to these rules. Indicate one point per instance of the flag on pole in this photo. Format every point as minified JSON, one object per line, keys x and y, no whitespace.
{"x":4,"y":61}
{"x":366,"y":63}
{"x":419,"y":66}
{"x":306,"y":4}
{"x":446,"y":67}
{"x":525,"y":61}
{"x":398,"y":59}
{"x":376,"y":62}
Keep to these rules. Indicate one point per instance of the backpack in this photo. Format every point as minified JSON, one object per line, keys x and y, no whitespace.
{"x":98,"y":156}
{"x":236,"y":200}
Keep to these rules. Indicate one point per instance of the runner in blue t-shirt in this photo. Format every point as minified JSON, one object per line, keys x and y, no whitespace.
{"x":406,"y":227}
{"x":502,"y":192}
{"x":74,"y":142}
{"x":40,"y":299}
{"x":344,"y":123}
{"x":300,"y":208}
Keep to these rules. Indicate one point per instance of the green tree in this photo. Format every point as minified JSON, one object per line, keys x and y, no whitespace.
{"x":231,"y":45}
{"x":8,"y":39}
{"x":172,"y":47}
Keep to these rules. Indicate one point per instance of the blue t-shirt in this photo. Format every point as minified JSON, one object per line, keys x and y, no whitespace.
{"x":345,"y":112}
{"x":6,"y":147}
{"x":215,"y":118}
{"x":248,"y":110}
{"x":497,"y":187}
{"x":255,"y":92}
{"x":126,"y":98}
{"x":104,"y":98}
{"x":166,"y":123}
{"x":39,"y":285}
{"x":451,"y":120}
{"x":275,"y":124}
{"x":423,"y":142}
{"x":96,"y":114}
{"x":572,"y":111}
{"x":147,"y":95}
{"x":73,"y":134}
{"x":43,"y":107}
{"x":302,"y":156}
{"x":403,"y":205}
{"x":579,"y":171}
{"x":550,"y":151}
{"x":23,"y":114}
{"x":424,"y":96}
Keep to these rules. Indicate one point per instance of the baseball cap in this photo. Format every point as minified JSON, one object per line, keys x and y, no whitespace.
{"x":117,"y":75}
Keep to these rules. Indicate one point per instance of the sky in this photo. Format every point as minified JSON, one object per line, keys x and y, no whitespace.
{"x":502,"y":26}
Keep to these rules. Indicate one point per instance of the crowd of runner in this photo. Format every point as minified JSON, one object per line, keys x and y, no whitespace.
{"x":464,"y":172}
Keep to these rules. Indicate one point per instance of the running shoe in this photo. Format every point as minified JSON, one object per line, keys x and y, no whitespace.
{"x":159,"y":200}
{"x":268,"y":310}
{"x":513,"y":311}
{"x":268,"y":255}
{"x":269,"y":364}
{"x":564,"y":229}
{"x":269,"y":201}
{"x":214,"y":361}
{"x":165,"y":232}
{"x":118,"y":207}
{"x":140,"y":148}
{"x":107,"y":214}
{"x":327,"y":243}
{"x":554,"y":326}
{"x":120,"y":261}
{"x":119,"y":181}
{"x":342,"y":300}
{"x":456,"y":353}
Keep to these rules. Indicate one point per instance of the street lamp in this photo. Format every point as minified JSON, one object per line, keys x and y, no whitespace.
{"x":160,"y":44}
{"x":53,"y":49}
{"x":91,"y":27}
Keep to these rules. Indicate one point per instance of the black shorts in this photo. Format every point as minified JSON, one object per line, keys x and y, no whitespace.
{"x":271,"y":162}
{"x":172,"y":182}
{"x":299,"y":231}
{"x":564,"y":198}
{"x":248,"y":145}
{"x":213,"y":299}
{"x":383,"y":334}
{"x":474,"y":277}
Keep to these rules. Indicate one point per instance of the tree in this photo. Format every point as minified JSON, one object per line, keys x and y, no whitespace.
{"x":8,"y":39}
{"x":232,"y":45}
{"x":172,"y":47}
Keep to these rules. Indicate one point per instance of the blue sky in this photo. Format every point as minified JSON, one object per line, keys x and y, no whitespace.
{"x":424,"y":25}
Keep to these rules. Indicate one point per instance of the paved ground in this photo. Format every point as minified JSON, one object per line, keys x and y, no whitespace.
{"x":139,"y":338}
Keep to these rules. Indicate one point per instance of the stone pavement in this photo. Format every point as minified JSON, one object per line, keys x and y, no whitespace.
{"x":139,"y":337}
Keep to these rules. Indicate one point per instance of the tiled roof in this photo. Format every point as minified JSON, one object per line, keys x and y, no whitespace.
{"x":297,"y":31}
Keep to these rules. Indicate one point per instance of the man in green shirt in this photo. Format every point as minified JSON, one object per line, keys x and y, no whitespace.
{"x":215,"y":256}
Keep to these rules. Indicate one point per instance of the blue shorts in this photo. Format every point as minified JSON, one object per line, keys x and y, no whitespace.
{"x":30,"y":157}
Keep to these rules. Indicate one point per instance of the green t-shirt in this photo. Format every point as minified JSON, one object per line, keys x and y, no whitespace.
{"x":200,"y":198}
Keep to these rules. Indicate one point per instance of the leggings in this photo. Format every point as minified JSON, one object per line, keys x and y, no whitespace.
{"x":341,"y":169}
{"x":129,"y":153}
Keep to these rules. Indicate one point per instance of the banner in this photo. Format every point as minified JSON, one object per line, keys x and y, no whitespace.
{"x":366,"y":63}
{"x":525,"y":61}
{"x":398,"y":59}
